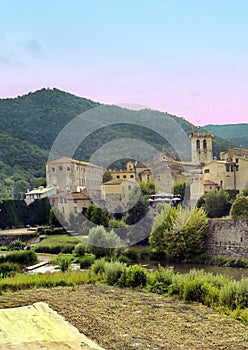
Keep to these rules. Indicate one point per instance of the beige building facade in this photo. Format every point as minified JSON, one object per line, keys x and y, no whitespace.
{"x":70,"y":175}
{"x":231,"y":171}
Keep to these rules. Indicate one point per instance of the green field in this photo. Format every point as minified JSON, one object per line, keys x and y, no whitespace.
{"x":59,"y":239}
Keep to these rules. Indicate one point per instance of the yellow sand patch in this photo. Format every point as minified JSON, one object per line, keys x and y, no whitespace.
{"x":39,"y":327}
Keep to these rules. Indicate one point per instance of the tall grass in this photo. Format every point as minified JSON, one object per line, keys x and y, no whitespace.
{"x":22,"y":281}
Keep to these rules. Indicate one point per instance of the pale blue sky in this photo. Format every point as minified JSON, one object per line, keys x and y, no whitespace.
{"x":187,"y":57}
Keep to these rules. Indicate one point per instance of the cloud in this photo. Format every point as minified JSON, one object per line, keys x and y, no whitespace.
{"x":34,"y":48}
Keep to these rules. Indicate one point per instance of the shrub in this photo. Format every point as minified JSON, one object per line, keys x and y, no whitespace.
{"x":133,"y":276}
{"x":113,"y":271}
{"x":8,"y":268}
{"x":102,"y":242}
{"x":23,"y":258}
{"x":160,"y":280}
{"x":132,"y":253}
{"x":55,"y":249}
{"x":87,"y":260}
{"x":98,"y":266}
{"x":228,"y":295}
{"x":63,"y":263}
{"x":80,"y":249}
{"x":239,"y":208}
{"x":17,"y":244}
{"x":123,"y":259}
{"x":194,"y":290}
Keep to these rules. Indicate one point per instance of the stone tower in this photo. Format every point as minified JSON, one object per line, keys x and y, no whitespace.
{"x":201,"y":147}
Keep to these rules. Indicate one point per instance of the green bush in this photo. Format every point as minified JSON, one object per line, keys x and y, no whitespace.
{"x":160,"y":280}
{"x":113,"y":271}
{"x":3,"y":248}
{"x":194,"y":290}
{"x":123,"y":259}
{"x":133,"y":276}
{"x":87,"y":260}
{"x":132,"y":253}
{"x":98,"y":266}
{"x":63,"y":263}
{"x":17,"y":244}
{"x":80,"y":249}
{"x":25,"y":258}
{"x":55,"y":249}
{"x":8,"y":269}
{"x":47,"y":230}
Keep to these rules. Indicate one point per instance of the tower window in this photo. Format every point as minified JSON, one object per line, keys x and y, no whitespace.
{"x":197,"y":144}
{"x":204,"y":145}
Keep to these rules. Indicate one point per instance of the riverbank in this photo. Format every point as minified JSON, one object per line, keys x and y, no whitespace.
{"x":128,"y":319}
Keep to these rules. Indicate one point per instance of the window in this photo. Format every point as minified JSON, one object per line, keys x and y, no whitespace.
{"x":53,"y":169}
{"x":237,"y":168}
{"x":159,"y":178}
{"x":60,"y":167}
{"x":131,"y":176}
{"x":117,"y":176}
{"x":124,"y":176}
{"x":68,"y":168}
{"x":197,"y":144}
{"x":204,"y":145}
{"x":61,"y":200}
{"x":75,"y":210}
{"x":227,"y":167}
{"x":206,"y":171}
{"x":129,"y":187}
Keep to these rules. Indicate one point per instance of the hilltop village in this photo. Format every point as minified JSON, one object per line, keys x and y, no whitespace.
{"x":72,"y":185}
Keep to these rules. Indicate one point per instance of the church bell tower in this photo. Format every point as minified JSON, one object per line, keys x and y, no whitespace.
{"x":201,"y":147}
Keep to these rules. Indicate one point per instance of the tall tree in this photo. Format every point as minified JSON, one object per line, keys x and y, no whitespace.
{"x":181,"y":234}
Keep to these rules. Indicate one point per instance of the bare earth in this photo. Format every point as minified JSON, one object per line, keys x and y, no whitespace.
{"x":123,"y":319}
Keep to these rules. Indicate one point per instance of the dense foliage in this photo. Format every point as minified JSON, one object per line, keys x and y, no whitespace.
{"x":216,"y":203}
{"x":239,"y":208}
{"x":16,"y":213}
{"x":179,"y":233}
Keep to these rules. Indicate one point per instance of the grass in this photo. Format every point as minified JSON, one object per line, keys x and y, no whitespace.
{"x":130,"y":319}
{"x":23,"y":281}
{"x":59,"y":239}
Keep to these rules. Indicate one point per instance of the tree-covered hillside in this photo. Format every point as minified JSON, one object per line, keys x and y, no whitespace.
{"x":30,"y":124}
{"x":236,"y":134}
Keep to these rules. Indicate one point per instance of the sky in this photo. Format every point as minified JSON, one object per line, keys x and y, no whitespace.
{"x":186,"y":57}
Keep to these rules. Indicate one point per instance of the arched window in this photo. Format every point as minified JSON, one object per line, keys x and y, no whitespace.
{"x":197,"y":144}
{"x":204,"y":145}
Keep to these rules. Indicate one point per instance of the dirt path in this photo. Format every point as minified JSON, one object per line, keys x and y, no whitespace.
{"x":127,"y":319}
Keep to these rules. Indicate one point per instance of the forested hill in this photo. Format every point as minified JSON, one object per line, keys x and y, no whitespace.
{"x":30,"y":124}
{"x":236,"y":134}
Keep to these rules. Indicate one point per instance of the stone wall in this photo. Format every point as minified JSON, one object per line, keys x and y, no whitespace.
{"x":228,"y":238}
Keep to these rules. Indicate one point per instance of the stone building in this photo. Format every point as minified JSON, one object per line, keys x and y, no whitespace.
{"x":116,"y":193}
{"x":201,"y":147}
{"x":231,"y":171}
{"x":70,"y":175}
